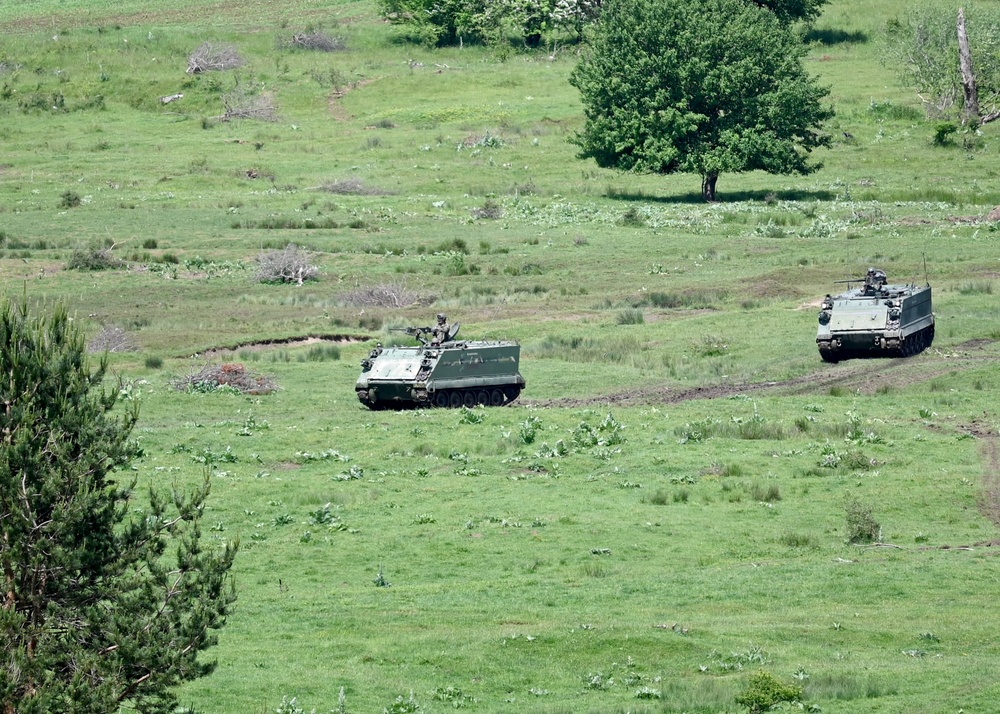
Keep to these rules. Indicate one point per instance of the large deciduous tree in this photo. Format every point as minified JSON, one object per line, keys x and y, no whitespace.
{"x":698,"y":86}
{"x":94,"y":612}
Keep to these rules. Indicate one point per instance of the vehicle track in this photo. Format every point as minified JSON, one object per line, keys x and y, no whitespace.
{"x":862,"y":376}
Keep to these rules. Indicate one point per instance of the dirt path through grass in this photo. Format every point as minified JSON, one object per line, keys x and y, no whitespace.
{"x":862,"y":376}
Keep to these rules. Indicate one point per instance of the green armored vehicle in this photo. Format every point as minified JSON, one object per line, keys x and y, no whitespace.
{"x":441,"y":372}
{"x":876,"y":320}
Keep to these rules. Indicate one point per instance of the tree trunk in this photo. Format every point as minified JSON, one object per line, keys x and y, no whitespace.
{"x":970,"y":113}
{"x":708,"y":187}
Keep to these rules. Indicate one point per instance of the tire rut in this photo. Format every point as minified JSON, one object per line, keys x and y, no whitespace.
{"x":863,"y":376}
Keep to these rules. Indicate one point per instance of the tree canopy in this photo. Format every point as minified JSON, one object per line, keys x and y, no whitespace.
{"x":445,"y":22}
{"x":793,"y":10}
{"x":94,"y":613}
{"x":698,"y":86}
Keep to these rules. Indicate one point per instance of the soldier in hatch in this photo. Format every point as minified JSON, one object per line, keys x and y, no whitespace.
{"x":440,"y":332}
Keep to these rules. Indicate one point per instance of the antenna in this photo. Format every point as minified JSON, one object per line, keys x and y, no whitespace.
{"x":925,"y":269}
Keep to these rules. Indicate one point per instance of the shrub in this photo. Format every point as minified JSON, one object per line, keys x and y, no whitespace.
{"x":154,"y":362}
{"x":289,"y":265}
{"x":632,"y":218}
{"x":93,"y":257}
{"x":943,"y":131}
{"x":70,"y":199}
{"x":764,"y":691}
{"x":319,"y":41}
{"x":490,"y":210}
{"x":861,"y":524}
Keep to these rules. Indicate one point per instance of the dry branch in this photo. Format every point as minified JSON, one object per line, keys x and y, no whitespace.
{"x":353,"y":187}
{"x":395,"y":295}
{"x":111,"y":339}
{"x":209,"y":58}
{"x":289,"y":265}
{"x":231,"y":374}
{"x":318,"y":41}
{"x":247,"y":103}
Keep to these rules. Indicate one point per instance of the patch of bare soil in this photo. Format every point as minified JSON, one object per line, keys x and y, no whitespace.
{"x":282,"y":343}
{"x":971,"y":345}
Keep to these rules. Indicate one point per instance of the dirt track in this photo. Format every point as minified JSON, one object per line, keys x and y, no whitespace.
{"x":861,"y":376}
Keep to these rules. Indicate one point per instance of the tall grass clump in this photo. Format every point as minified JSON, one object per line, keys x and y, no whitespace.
{"x":631,"y":316}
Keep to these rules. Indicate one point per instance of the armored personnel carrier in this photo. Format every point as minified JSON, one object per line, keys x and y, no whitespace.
{"x":876,"y":320}
{"x":441,"y":372}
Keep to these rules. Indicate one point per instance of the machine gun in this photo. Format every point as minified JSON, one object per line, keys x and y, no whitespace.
{"x":417,"y":332}
{"x":421,"y":333}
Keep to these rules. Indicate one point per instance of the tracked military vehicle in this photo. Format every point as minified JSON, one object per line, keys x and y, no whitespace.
{"x":876,"y":320}
{"x":442,"y":372}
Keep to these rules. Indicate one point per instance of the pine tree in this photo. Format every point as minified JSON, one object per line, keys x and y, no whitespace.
{"x":94,"y":613}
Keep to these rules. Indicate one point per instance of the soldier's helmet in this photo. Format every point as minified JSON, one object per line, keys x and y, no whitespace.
{"x":442,"y":317}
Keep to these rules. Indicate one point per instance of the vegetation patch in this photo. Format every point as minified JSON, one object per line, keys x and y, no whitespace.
{"x":227,"y":377}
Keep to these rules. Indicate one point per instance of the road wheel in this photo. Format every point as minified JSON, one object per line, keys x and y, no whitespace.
{"x":469,"y":399}
{"x":483,"y":398}
{"x":455,"y":400}
{"x":441,"y":399}
{"x":496,"y":398}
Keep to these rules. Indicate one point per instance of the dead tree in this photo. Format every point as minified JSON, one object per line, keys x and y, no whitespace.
{"x":970,"y":111}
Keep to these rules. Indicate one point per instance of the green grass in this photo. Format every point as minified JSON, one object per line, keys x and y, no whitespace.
{"x":534,"y":556}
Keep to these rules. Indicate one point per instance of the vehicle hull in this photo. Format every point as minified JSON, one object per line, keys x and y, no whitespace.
{"x":889,"y":321}
{"x":452,"y":374}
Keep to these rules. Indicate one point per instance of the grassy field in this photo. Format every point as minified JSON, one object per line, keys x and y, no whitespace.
{"x":666,"y":509}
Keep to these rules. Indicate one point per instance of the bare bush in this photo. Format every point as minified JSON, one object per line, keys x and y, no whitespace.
{"x":111,"y":339}
{"x":289,"y":265}
{"x":353,"y":187}
{"x":232,"y":375}
{"x":211,"y":58}
{"x":395,"y":295}
{"x":490,"y":209}
{"x":249,"y":103}
{"x":319,"y":41}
